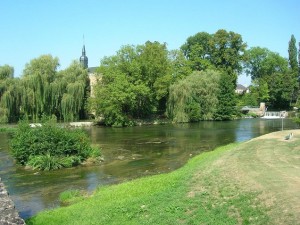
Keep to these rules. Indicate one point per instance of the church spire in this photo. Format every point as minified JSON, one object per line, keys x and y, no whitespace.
{"x":83,"y":58}
{"x":83,"y":50}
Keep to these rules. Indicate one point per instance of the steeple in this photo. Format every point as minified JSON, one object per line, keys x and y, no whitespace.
{"x":83,"y":58}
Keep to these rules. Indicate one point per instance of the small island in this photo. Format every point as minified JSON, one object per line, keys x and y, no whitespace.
{"x":47,"y":146}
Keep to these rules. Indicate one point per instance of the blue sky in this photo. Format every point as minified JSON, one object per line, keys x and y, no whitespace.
{"x":32,"y":28}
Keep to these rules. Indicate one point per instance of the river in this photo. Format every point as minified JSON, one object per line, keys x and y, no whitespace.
{"x":129,"y":153}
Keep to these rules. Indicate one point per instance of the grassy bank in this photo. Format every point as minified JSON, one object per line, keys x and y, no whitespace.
{"x":255,"y":182}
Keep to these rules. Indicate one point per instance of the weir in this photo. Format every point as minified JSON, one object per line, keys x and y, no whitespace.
{"x":8,"y":213}
{"x":274,"y":114}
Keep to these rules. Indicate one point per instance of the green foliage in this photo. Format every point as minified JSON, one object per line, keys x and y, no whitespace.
{"x":44,"y":91}
{"x":7,"y":129}
{"x":282,"y":88}
{"x":262,"y":63}
{"x":6,"y":71}
{"x":49,"y":147}
{"x":293,"y":62}
{"x":294,"y":67}
{"x":10,"y":95}
{"x":44,"y":162}
{"x":228,"y":52}
{"x":273,"y":81}
{"x":197,"y":50}
{"x":260,"y":90}
{"x":135,"y":82}
{"x":222,"y":50}
{"x":226,"y":109}
{"x":194,"y":98}
{"x":247,"y":99}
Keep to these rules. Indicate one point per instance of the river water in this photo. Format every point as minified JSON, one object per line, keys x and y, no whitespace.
{"x":129,"y":153}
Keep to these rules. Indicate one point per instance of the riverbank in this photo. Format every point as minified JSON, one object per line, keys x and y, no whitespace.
{"x":254,"y":182}
{"x":8,"y":213}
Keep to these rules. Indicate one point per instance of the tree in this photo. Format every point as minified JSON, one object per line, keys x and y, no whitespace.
{"x":262,"y":63}
{"x":222,"y":50}
{"x":226,"y":108}
{"x":292,"y":50}
{"x":135,"y":82}
{"x":255,"y":59}
{"x":281,"y":89}
{"x":76,"y":89}
{"x":197,"y":50}
{"x":180,"y":66}
{"x":6,"y":71}
{"x":194,"y":98}
{"x":260,"y":90}
{"x":299,"y":61}
{"x":37,"y":76}
{"x":42,"y":90}
{"x":10,"y":100}
{"x":271,"y":68}
{"x":156,"y":71}
{"x":227,"y":52}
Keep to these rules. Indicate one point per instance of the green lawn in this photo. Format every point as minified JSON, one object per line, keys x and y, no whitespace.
{"x":255,"y":182}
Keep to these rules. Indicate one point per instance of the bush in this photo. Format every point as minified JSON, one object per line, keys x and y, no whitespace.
{"x":49,"y":147}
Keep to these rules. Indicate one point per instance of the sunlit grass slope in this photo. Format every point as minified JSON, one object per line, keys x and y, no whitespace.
{"x":231,"y":185}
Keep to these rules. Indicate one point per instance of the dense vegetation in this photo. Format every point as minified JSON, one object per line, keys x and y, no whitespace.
{"x":48,"y":146}
{"x":42,"y":90}
{"x":194,"y":98}
{"x":148,"y":80}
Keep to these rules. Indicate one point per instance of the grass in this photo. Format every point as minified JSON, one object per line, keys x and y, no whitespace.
{"x":7,"y":129}
{"x":246,"y":183}
{"x":71,"y":196}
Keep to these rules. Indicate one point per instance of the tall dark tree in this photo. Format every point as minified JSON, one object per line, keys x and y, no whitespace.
{"x":226,"y":108}
{"x":299,"y":62}
{"x":293,"y":55}
{"x":293,"y":63}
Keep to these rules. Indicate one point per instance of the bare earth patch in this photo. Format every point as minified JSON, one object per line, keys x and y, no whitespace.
{"x":266,"y":168}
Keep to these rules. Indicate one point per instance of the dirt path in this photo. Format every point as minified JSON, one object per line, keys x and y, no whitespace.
{"x":268,"y":166}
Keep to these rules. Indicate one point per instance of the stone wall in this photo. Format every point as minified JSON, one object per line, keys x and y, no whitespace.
{"x":8,"y":213}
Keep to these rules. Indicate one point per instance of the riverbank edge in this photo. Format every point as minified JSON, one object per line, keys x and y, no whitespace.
{"x":119,"y":201}
{"x":8,"y":213}
{"x":156,"y":184}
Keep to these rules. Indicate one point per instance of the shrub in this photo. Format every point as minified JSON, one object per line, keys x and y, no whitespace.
{"x":49,"y":147}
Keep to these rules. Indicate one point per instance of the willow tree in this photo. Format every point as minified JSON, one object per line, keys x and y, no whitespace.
{"x":10,"y":100}
{"x":9,"y":95}
{"x":195,"y":97}
{"x":37,"y":76}
{"x":77,"y":90}
{"x":45,"y":91}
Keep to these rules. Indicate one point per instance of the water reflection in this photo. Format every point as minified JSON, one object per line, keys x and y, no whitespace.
{"x":129,"y":153}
